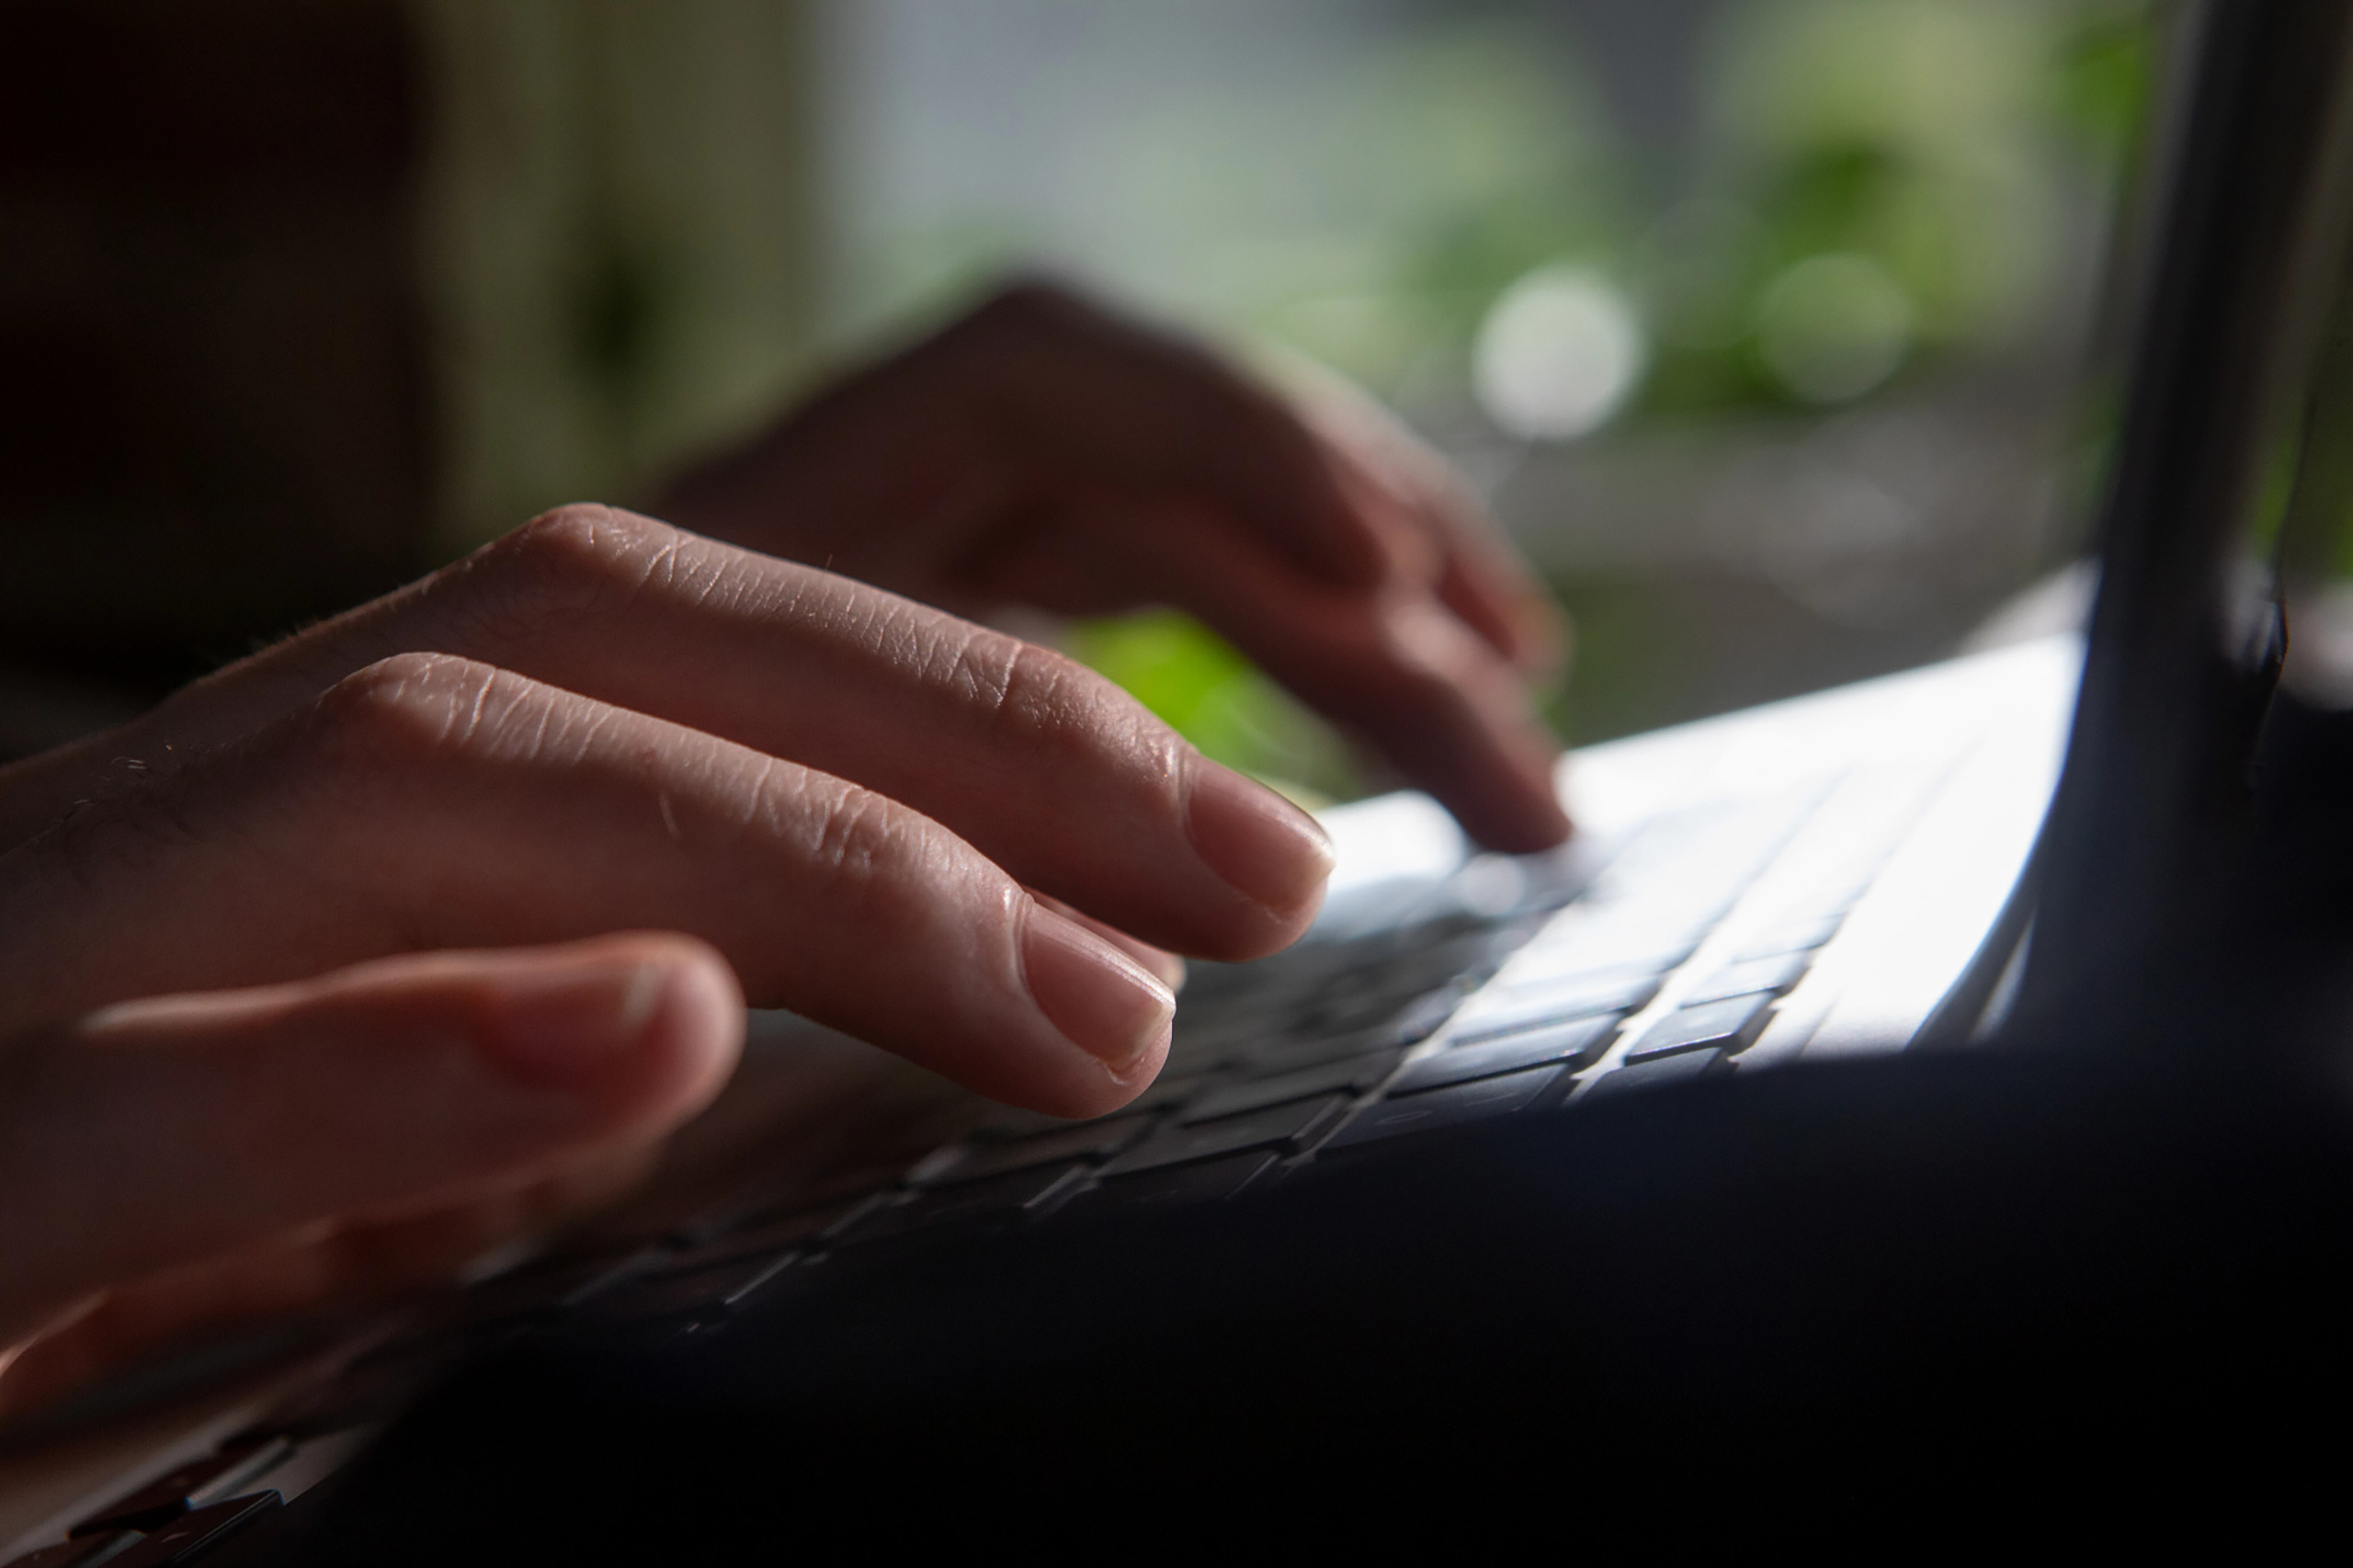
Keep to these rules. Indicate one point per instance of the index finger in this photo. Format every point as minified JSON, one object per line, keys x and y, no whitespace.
{"x":431,"y":801}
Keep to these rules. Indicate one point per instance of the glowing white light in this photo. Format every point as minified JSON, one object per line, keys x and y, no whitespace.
{"x":1558,"y":354}
{"x":1834,"y":327}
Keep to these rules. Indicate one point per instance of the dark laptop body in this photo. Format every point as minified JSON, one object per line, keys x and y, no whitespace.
{"x":2096,"y":1262}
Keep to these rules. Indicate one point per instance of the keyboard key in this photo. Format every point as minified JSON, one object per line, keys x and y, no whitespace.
{"x":1171,"y":1087}
{"x":709,"y":1289}
{"x":977,"y":1161}
{"x":1635,"y":932}
{"x":1446,"y":1107}
{"x":316,"y":1460}
{"x":1424,"y":1017}
{"x":1297,"y":1055}
{"x":1352,"y":1074}
{"x":1595,"y":948}
{"x":368,"y":1391}
{"x":768,"y":1196}
{"x":1770,"y":975}
{"x":1790,"y":936}
{"x":1004,"y":1201}
{"x":1199,"y":1043}
{"x":190,"y":1486}
{"x":1728,"y":1024}
{"x":1283,"y":1126}
{"x":1579,"y":1042}
{"x":1362,"y":1008}
{"x":196,"y":1532}
{"x":1522,"y":1008}
{"x":540,"y":1287}
{"x":768,"y":1233}
{"x":83,"y":1551}
{"x":1656,"y":1073}
{"x":1537,"y":972}
{"x":1212,"y":1181}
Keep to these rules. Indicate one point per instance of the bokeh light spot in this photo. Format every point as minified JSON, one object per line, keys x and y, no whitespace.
{"x":1558,"y":354}
{"x":1834,"y":327}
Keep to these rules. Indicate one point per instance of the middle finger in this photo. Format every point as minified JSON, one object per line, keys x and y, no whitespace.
{"x":1050,"y":770}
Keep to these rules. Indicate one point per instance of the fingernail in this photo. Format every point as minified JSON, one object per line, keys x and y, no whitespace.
{"x":1169,"y":969}
{"x":561,"y":1024}
{"x":1103,"y":1001}
{"x":1257,"y":841}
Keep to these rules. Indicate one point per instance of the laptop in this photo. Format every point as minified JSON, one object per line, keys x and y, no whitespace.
{"x":1850,"y":1093}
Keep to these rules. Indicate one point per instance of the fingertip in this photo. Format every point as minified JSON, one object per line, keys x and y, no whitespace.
{"x":1513,"y":804}
{"x":1519,"y":809}
{"x":1166,"y":965}
{"x":642,"y":1026}
{"x":1529,"y":829}
{"x":1260,"y":844}
{"x":1096,"y":995}
{"x":697,"y":1032}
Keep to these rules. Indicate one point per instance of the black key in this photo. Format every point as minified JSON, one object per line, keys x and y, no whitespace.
{"x":1296,"y":1055}
{"x":1288,"y":1125}
{"x":1657,"y":1072}
{"x":825,"y":1213}
{"x":1424,"y":1017}
{"x":1728,"y":1024}
{"x":83,"y":1551}
{"x":1525,"y":1008}
{"x":1771,"y":975}
{"x":364,"y":1393}
{"x":1352,"y":1074}
{"x":1410,"y":1026}
{"x":1446,"y":1107}
{"x":315,"y":1460}
{"x":459,"y":1319}
{"x":1790,"y":936}
{"x":193,"y":1486}
{"x":1580,"y":1042}
{"x":961,"y":1163}
{"x":1214,"y":1181}
{"x":767,"y":1196}
{"x":1388,"y":986}
{"x":1353,"y":1010}
{"x":1167,"y":1090}
{"x":552,"y":1284}
{"x":709,"y":1289}
{"x":199,"y":1531}
{"x":768,"y":1234}
{"x":1205,"y":1044}
{"x":1005,"y":1201}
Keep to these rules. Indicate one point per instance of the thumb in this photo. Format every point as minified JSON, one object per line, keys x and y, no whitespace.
{"x":155,"y":1132}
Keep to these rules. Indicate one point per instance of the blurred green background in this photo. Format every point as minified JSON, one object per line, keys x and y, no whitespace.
{"x":1769,"y":329}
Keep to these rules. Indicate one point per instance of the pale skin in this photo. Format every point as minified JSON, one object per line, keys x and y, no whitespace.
{"x":424,"y":927}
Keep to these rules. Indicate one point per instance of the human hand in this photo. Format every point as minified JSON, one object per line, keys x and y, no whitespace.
{"x":841,"y":799}
{"x":1042,"y":452}
{"x":185,"y":1163}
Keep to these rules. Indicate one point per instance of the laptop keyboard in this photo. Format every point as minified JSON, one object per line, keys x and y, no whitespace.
{"x":1509,"y":988}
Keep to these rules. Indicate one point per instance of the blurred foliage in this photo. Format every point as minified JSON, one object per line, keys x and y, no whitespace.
{"x":1204,"y":688}
{"x":1943,"y":142}
{"x":1870,"y":193}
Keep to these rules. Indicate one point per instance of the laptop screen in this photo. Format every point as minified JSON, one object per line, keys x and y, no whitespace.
{"x":2215,"y":455}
